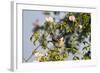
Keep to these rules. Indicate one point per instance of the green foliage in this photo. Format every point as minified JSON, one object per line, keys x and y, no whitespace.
{"x":36,"y":36}
{"x":55,"y":55}
{"x":75,"y":58}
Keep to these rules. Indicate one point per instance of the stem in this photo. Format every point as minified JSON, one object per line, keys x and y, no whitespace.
{"x":31,"y":54}
{"x":29,"y":58}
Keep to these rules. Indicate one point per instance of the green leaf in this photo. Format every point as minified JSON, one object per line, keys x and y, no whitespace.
{"x":75,"y":58}
{"x":36,"y":36}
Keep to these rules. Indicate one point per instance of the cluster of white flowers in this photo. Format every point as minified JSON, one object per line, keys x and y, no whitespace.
{"x":72,"y":18}
{"x":49,"y":19}
{"x":39,"y":54}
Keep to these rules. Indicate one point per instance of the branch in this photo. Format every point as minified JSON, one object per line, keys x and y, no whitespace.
{"x":31,"y":54}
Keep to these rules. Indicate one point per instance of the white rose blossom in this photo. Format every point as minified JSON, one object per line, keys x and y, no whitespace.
{"x":39,"y":55}
{"x":72,"y":18}
{"x":49,"y":19}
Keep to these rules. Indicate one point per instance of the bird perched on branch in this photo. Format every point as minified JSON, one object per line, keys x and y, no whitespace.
{"x":58,"y":42}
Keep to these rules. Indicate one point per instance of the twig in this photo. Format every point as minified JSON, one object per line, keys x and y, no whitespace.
{"x":29,"y":58}
{"x":24,"y":59}
{"x":31,"y":54}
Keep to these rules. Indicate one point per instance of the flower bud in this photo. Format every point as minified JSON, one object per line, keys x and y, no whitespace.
{"x":49,"y":19}
{"x":72,"y":18}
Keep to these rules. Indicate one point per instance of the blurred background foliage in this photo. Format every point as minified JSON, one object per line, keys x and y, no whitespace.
{"x":59,"y":39}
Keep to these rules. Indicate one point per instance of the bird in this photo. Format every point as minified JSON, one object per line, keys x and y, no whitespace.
{"x":58,"y":42}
